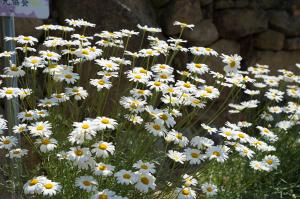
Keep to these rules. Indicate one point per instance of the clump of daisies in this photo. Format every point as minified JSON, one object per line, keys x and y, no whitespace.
{"x":109,"y":122}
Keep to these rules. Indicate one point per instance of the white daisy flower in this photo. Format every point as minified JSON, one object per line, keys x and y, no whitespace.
{"x":126,"y":177}
{"x":209,"y":189}
{"x":86,"y":183}
{"x":176,"y":156}
{"x":34,"y":185}
{"x":145,"y":181}
{"x":50,"y":188}
{"x":144,"y":167}
{"x":17,"y":153}
{"x":46,"y":144}
{"x":103,"y":149}
{"x":102,"y":169}
{"x":7,"y":142}
{"x":186,"y":193}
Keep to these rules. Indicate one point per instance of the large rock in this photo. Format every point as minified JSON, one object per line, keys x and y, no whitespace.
{"x":187,"y":11}
{"x":279,"y":59}
{"x":264,"y":4}
{"x":26,"y":26}
{"x":292,"y":43}
{"x":225,"y":4}
{"x":238,"y":23}
{"x":226,"y":46}
{"x":283,"y":22}
{"x":205,"y":2}
{"x":107,"y":15}
{"x":269,"y":4}
{"x":269,"y":40}
{"x":204,"y":33}
{"x":160,"y":3}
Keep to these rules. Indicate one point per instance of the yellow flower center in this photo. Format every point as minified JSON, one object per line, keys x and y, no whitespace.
{"x":49,"y":55}
{"x":138,"y":76}
{"x":6,"y":142}
{"x":217,"y":153}
{"x":196,"y":101}
{"x":209,"y":189}
{"x":198,"y":65}
{"x":48,"y":186}
{"x":185,"y":192}
{"x":40,"y":128}
{"x":208,"y":89}
{"x":14,"y":68}
{"x":79,"y":152}
{"x":101,"y":82}
{"x":102,"y":167}
{"x":28,"y":115}
{"x":143,"y":71}
{"x":87,"y":183}
{"x":46,"y":141}
{"x":170,"y":90}
{"x":26,"y":38}
{"x":143,"y":166}
{"x":162,"y":67}
{"x":141,"y":92}
{"x":102,"y":146}
{"x":92,"y":49}
{"x":34,"y":61}
{"x":187,"y":85}
{"x":134,"y":104}
{"x":85,"y":52}
{"x":85,"y":126}
{"x":33,"y":182}
{"x":156,"y":127}
{"x":232,"y":64}
{"x":145,"y":180}
{"x":9,"y":91}
{"x":127,"y":176}
{"x":195,"y":155}
{"x":269,"y":162}
{"x":105,"y":121}
{"x":102,"y":196}
{"x":109,"y":65}
{"x":157,"y":83}
{"x":208,"y":49}
{"x":179,"y":136}
{"x":164,"y":76}
{"x":163,"y":117}
{"x":68,"y":76}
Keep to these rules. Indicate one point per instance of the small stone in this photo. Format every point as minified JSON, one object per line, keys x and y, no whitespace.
{"x":237,"y":23}
{"x":269,"y":40}
{"x":186,"y":11}
{"x":292,"y":44}
{"x":203,"y":34}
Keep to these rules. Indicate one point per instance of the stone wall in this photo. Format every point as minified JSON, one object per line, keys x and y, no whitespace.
{"x":261,"y":31}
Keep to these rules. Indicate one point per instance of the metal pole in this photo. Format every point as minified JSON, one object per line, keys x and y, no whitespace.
{"x":11,"y":106}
